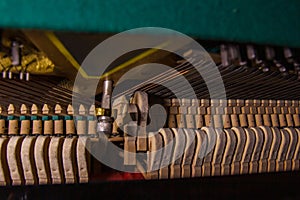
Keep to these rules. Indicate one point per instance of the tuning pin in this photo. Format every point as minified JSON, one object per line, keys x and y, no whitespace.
{"x":10,"y":75}
{"x":27,"y":76}
{"x":288,"y":54}
{"x":82,"y":110}
{"x":34,"y":109}
{"x":21,"y":75}
{"x":45,"y":109}
{"x":70,"y":110}
{"x":242,"y":57}
{"x":225,"y":56}
{"x":11,"y":109}
{"x":15,"y":53}
{"x":4,"y":74}
{"x":270,"y":53}
{"x":251,"y":53}
{"x":23,"y":109}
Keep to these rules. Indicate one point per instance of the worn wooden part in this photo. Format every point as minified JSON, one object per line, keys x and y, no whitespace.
{"x":13,"y":127}
{"x":259,"y":140}
{"x":267,"y":120}
{"x":81,"y":123}
{"x":202,"y":110}
{"x":81,"y":127}
{"x":291,"y":149}
{"x":190,"y":122}
{"x":263,"y":161}
{"x":59,"y":123}
{"x":182,"y":109}
{"x":226,"y":121}
{"x":14,"y":162}
{"x":211,"y":142}
{"x":55,"y":160}
{"x":234,"y":120}
{"x":208,"y":120}
{"x":240,"y":146}
{"x":41,"y":158}
{"x":274,"y":149}
{"x":48,"y":127}
{"x":218,"y":152}
{"x":180,"y":118}
{"x":240,"y":102}
{"x":289,"y":120}
{"x":253,"y":110}
{"x":119,"y":112}
{"x":4,"y":170}
{"x":283,"y":149}
{"x":296,"y":158}
{"x":154,"y":156}
{"x":69,"y":160}
{"x":2,"y":126}
{"x":27,"y":158}
{"x":173,"y":110}
{"x":83,"y":162}
{"x":180,"y":142}
{"x":188,"y":153}
{"x":25,"y":127}
{"x":217,"y":121}
{"x":231,"y":102}
{"x":140,"y":98}
{"x":130,"y":131}
{"x":48,"y":124}
{"x":37,"y":127}
{"x":200,"y":153}
{"x":92,"y":127}
{"x":25,"y":123}
{"x":192,"y":110}
{"x":59,"y":127}
{"x":92,"y":123}
{"x":296,"y":120}
{"x":129,"y":150}
{"x":243,"y":120}
{"x":172,"y":121}
{"x":70,"y":127}
{"x":231,"y":143}
{"x":258,"y":120}
{"x":282,"y":120}
{"x":261,"y":110}
{"x":141,"y":143}
{"x":251,"y":120}
{"x":199,"y":121}
{"x":247,"y":154}
{"x":168,"y":146}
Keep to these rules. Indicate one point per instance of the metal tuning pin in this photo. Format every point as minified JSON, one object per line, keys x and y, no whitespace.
{"x":27,"y":76}
{"x":105,"y":121}
{"x":278,"y":61}
{"x":251,"y":53}
{"x":224,"y":55}
{"x":21,"y":75}
{"x":4,"y":74}
{"x":15,"y":53}
{"x":242,"y":56}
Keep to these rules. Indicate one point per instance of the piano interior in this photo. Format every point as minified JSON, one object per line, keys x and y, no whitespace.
{"x":223,"y":119}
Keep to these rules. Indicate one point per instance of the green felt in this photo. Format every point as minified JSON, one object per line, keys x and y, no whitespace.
{"x":268,"y":22}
